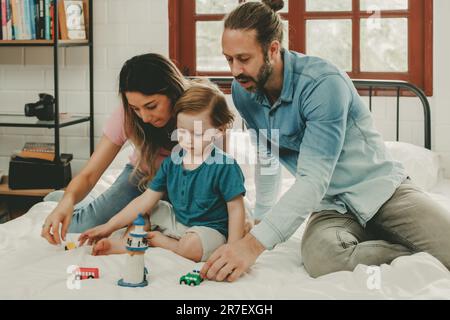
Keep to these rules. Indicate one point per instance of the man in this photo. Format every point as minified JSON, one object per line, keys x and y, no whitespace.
{"x":364,"y":207}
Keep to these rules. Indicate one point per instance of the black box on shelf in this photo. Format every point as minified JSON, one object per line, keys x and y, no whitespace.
{"x":39,"y":174}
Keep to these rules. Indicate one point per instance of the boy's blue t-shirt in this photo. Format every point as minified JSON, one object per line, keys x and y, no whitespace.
{"x":199,"y":197}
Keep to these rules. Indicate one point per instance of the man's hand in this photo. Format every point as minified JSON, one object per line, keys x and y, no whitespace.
{"x":231,"y":260}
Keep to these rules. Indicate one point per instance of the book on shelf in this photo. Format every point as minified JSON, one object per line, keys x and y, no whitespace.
{"x":2,"y":23}
{"x":38,"y":150}
{"x":6,"y":20}
{"x":47,"y":20}
{"x":22,"y":19}
{"x":40,"y":20}
{"x":34,"y":20}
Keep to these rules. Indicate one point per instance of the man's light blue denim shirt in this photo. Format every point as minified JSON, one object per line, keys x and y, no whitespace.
{"x":327,"y":139}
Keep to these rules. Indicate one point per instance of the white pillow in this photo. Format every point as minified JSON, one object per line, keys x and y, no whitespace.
{"x":421,"y":164}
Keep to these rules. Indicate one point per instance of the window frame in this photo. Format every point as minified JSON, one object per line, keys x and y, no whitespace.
{"x":182,"y":33}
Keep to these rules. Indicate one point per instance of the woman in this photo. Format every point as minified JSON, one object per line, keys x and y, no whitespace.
{"x":149,"y":86}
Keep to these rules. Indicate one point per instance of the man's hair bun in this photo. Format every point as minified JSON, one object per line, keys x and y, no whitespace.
{"x":275,"y":5}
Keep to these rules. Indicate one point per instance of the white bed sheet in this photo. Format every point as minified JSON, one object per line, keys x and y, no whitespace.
{"x":30,"y":268}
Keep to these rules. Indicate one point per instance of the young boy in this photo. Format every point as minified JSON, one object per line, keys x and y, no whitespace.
{"x":204,"y":185}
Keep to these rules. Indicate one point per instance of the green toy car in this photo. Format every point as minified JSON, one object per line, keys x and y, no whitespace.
{"x":192,"y":278}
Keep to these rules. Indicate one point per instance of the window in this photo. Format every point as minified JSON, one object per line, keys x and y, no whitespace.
{"x":370,"y":39}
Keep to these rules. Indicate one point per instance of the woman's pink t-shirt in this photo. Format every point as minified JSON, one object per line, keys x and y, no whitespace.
{"x":114,"y":130}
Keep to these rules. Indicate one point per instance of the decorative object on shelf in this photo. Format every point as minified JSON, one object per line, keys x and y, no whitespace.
{"x":72,"y":20}
{"x":135,"y":270}
{"x":38,"y":150}
{"x":86,"y":17}
{"x":44,"y":109}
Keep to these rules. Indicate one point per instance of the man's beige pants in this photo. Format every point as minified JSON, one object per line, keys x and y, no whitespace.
{"x":409,"y":222}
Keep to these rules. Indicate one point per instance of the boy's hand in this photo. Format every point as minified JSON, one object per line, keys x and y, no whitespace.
{"x":101,"y":248}
{"x":95,"y":234}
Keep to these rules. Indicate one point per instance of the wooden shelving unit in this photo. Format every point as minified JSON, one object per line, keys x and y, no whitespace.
{"x":20,"y":120}
{"x":6,"y":191}
{"x":18,"y":201}
{"x":45,"y":43}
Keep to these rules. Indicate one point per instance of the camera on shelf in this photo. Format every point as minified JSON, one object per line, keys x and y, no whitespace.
{"x":44,"y":109}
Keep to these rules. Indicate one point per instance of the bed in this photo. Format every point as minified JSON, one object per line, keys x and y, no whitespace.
{"x":30,"y":268}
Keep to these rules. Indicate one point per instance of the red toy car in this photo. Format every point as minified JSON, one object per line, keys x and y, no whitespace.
{"x":87,"y":273}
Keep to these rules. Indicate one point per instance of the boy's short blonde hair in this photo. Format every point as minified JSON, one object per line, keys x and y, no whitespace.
{"x":205,"y":95}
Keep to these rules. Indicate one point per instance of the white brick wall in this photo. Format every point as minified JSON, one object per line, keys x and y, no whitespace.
{"x":126,"y":28}
{"x":441,"y":100}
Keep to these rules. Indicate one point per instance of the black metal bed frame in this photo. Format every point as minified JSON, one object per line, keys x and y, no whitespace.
{"x":372,"y":86}
{"x":400,"y":86}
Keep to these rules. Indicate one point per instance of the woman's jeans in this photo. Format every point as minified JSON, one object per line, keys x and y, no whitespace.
{"x":91,"y":212}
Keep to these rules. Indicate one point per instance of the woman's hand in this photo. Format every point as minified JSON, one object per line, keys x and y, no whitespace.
{"x":95,"y":234}
{"x":61,"y":215}
{"x":78,"y":189}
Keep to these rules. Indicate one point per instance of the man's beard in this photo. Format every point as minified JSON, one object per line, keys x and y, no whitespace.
{"x":263,"y":76}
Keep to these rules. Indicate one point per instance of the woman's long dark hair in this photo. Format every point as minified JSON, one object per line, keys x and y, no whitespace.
{"x":148,"y":74}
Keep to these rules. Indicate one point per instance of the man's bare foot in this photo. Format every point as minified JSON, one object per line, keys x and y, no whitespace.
{"x":157,"y":239}
{"x":108,"y":246}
